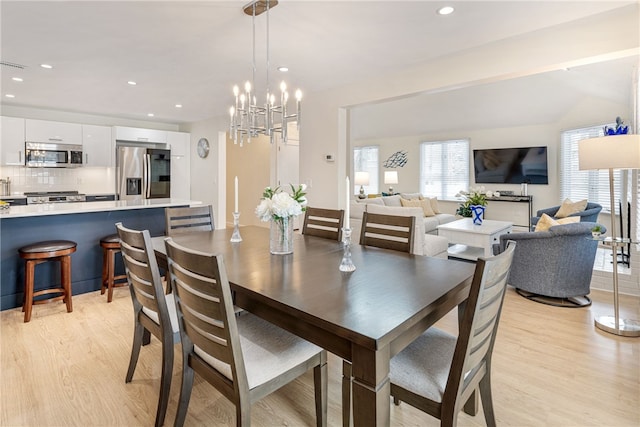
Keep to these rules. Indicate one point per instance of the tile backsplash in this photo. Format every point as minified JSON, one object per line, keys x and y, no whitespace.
{"x":87,"y":180}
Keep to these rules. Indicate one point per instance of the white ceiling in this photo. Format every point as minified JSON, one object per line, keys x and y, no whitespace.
{"x":192,"y":53}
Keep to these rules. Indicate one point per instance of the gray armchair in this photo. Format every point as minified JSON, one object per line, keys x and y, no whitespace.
{"x":555,"y":266}
{"x":590,"y":214}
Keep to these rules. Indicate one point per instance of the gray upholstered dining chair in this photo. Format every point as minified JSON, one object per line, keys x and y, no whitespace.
{"x":188,"y":219}
{"x":326,"y":223}
{"x":438,"y":372}
{"x":388,"y":231}
{"x":243,"y":357}
{"x":154,"y":312}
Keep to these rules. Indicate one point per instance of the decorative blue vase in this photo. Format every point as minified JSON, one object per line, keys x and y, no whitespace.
{"x":477,"y":214}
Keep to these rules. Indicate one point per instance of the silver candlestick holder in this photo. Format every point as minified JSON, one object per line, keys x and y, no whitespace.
{"x":346,"y":264}
{"x":235,"y":237}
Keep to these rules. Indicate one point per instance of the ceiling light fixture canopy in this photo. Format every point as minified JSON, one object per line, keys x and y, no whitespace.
{"x":247,"y":118}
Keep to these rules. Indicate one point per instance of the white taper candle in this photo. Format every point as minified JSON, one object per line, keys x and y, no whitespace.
{"x":346,"y":208}
{"x":236,"y":195}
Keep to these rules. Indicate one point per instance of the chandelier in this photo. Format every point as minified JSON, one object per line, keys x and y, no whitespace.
{"x":248,"y":119}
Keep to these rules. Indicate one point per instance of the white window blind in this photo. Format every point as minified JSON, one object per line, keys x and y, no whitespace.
{"x":578,"y":184}
{"x":444,"y":168}
{"x":365,"y":159}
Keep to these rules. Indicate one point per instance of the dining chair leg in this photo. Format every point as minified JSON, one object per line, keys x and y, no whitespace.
{"x":165,"y":381}
{"x":346,"y":393}
{"x":135,"y":350}
{"x":185,"y":392}
{"x":321,"y":392}
{"x":487,"y":400}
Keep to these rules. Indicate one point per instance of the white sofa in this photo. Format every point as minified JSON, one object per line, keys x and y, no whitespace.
{"x":426,"y":239}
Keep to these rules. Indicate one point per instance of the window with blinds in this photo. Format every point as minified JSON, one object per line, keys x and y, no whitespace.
{"x":578,"y":184}
{"x":444,"y":168}
{"x":365,"y":159}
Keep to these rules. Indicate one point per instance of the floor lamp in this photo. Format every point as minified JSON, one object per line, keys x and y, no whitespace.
{"x":612,"y":152}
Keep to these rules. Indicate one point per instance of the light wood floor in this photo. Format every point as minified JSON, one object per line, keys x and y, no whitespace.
{"x":551,"y":368}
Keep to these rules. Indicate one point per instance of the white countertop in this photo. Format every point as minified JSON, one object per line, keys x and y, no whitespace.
{"x":86,"y":207}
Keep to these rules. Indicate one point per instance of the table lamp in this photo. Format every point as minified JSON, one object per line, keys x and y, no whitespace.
{"x":390,"y":177}
{"x":362,"y":178}
{"x":612,"y":152}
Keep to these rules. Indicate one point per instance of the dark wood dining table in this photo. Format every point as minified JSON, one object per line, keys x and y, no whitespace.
{"x":365,"y":316}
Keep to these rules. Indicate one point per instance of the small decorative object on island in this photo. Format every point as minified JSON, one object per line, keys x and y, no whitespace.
{"x":279,"y":208}
{"x":475,"y":203}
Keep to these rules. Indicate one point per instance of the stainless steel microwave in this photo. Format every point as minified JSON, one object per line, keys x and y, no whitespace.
{"x":45,"y":155}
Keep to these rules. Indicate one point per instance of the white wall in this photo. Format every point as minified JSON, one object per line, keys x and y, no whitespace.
{"x":208,"y":175}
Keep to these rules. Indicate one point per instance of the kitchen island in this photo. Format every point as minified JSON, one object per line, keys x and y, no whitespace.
{"x":84,"y":223}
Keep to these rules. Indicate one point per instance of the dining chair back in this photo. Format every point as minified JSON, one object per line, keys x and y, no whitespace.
{"x":388,"y":231}
{"x":188,"y":219}
{"x":154,"y":312}
{"x":438,"y":373}
{"x":326,"y":223}
{"x":243,"y":357}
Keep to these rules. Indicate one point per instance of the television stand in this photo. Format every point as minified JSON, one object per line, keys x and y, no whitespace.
{"x":497,"y":209}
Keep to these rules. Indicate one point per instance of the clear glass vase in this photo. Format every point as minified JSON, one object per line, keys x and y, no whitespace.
{"x":281,"y":236}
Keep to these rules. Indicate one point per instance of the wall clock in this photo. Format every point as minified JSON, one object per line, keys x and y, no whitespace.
{"x":203,"y":147}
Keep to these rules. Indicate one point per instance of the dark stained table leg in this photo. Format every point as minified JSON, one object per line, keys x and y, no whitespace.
{"x":371,"y":387}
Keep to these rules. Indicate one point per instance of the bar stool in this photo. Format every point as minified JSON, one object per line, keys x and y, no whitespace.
{"x":37,"y":253}
{"x":110,"y":247}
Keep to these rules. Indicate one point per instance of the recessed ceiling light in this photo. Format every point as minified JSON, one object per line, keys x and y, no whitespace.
{"x":16,"y":79}
{"x":47,"y":66}
{"x":446,"y":10}
{"x":178,"y":105}
{"x":150,"y":114}
{"x":132,"y":83}
{"x":10,"y":95}
{"x":283,"y":69}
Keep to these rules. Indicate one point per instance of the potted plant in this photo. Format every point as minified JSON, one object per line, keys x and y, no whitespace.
{"x":596,"y":231}
{"x":475,"y":197}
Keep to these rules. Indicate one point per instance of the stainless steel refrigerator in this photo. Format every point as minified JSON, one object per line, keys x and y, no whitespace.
{"x":143,"y":173}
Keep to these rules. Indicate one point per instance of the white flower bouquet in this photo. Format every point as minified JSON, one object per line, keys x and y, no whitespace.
{"x":277,"y":204}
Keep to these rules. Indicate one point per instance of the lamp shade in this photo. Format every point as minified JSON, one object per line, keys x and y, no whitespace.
{"x":362,"y":178}
{"x":609,"y":152}
{"x":390,"y":177}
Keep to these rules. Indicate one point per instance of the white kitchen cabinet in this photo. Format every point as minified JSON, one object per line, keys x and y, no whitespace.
{"x":179,"y":143}
{"x":53,"y":132}
{"x":12,"y":146}
{"x":180,"y":164}
{"x":123,"y":133}
{"x":96,"y":146}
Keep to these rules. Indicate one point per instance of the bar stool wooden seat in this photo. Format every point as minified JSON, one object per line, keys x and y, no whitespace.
{"x":37,"y":253}
{"x":110,"y":247}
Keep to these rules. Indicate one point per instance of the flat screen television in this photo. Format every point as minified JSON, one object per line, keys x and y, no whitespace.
{"x":511,"y":165}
